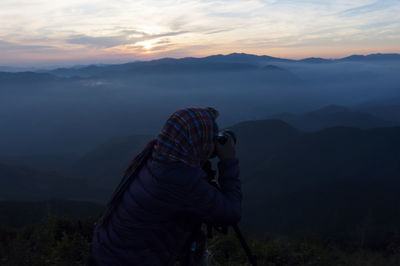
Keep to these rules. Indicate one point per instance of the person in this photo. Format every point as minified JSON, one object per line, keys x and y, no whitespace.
{"x":165,"y":195}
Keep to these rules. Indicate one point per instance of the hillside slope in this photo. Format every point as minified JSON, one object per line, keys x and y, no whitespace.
{"x":24,"y":183}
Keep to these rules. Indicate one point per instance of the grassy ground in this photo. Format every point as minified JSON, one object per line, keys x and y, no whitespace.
{"x":66,"y":241}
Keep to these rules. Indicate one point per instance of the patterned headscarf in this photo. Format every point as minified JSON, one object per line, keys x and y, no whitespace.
{"x":187,"y":136}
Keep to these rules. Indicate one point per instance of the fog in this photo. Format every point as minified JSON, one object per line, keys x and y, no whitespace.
{"x":51,"y":114}
{"x":349,"y":82}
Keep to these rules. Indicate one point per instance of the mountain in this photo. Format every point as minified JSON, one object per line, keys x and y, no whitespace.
{"x":215,"y":63}
{"x":372,"y":57}
{"x":16,"y":69}
{"x":316,"y":60}
{"x":331,"y":181}
{"x":234,"y":61}
{"x":24,"y":183}
{"x":245,"y":58}
{"x":331,"y":116}
{"x":273,"y":67}
{"x":355,"y":58}
{"x":230,"y":62}
{"x":53,"y":162}
{"x":388,"y":109}
{"x":105,"y":165}
{"x":257,"y":140}
{"x":25,"y":77}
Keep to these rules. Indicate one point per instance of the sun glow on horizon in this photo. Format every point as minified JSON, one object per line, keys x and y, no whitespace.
{"x":147,"y":45}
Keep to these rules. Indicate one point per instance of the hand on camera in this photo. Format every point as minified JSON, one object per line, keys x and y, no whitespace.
{"x":227,"y":150}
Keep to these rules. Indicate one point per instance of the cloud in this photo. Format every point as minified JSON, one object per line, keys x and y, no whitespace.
{"x":4,"y":45}
{"x":99,"y":42}
{"x":218,"y":31}
{"x":178,"y":23}
{"x":363,"y":9}
{"x":126,"y":37}
{"x":166,"y":34}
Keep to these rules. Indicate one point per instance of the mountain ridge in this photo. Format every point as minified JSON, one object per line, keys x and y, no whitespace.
{"x":331,"y":116}
{"x":237,"y":58}
{"x":218,"y":58}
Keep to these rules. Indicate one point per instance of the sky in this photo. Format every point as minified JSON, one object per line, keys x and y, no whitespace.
{"x":70,"y":32}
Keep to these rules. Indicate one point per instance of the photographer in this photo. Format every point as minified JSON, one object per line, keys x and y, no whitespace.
{"x":165,"y":194}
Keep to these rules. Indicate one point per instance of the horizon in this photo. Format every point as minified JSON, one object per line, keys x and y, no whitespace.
{"x":53,"y":33}
{"x":99,"y":63}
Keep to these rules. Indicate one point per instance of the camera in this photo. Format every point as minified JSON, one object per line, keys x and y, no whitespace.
{"x":222,"y":138}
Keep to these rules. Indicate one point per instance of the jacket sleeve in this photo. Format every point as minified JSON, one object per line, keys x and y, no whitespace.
{"x":218,"y":207}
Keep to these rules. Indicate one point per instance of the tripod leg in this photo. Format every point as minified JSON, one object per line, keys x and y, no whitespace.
{"x":246,"y":248}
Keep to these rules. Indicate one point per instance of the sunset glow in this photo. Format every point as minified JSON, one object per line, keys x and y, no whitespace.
{"x":44,"y":32}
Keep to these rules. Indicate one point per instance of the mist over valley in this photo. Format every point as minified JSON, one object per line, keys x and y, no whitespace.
{"x":73,"y":110}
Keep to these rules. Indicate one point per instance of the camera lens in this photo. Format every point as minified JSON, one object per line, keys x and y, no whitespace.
{"x":222,"y":136}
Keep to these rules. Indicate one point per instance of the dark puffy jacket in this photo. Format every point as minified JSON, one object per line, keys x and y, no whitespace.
{"x":161,"y":208}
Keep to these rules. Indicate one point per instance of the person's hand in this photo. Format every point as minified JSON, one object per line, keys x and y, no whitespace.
{"x":227,"y":150}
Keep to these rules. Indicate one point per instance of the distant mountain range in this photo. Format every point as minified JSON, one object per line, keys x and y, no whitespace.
{"x":72,"y":110}
{"x":230,"y":62}
{"x":104,"y":166}
{"x":48,"y":162}
{"x":16,"y":69}
{"x":387,"y":108}
{"x":216,"y":63}
{"x":332,"y":181}
{"x":354,"y":58}
{"x":25,"y":76}
{"x":332,"y":116}
{"x":18,"y":182}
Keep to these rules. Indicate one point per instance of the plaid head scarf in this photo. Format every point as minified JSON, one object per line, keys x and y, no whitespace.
{"x":187,"y":137}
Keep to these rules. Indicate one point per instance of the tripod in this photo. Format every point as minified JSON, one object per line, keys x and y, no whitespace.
{"x":211,"y":179}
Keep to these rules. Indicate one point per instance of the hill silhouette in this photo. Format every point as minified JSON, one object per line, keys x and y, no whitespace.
{"x":372,"y":57}
{"x":24,"y":183}
{"x":104,"y":166}
{"x":331,"y":116}
{"x":25,"y":76}
{"x":331,"y":181}
{"x":47,"y":162}
{"x":230,"y":62}
{"x":388,"y":109}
